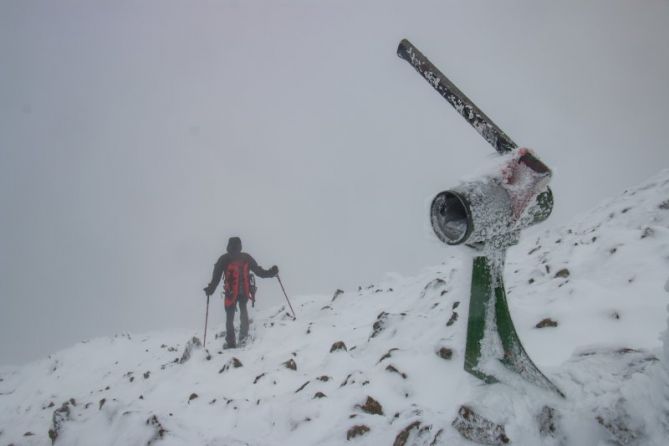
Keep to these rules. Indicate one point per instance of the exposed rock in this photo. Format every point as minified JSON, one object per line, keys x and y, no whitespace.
{"x":324,"y":378}
{"x":436,"y":437}
{"x":564,"y":273}
{"x":233,"y":363}
{"x":403,"y":436}
{"x":547,"y":322}
{"x":147,"y":374}
{"x":339,"y":345}
{"x":258,"y":378}
{"x":160,"y":431}
{"x":378,"y":325}
{"x":615,"y":315}
{"x":647,"y":232}
{"x":433,"y":285}
{"x":188,"y":350}
{"x":387,"y":354}
{"x":58,"y":419}
{"x":451,"y":321}
{"x":302,"y":386}
{"x":391,"y":368}
{"x":478,"y":429}
{"x":355,"y":377}
{"x":192,"y":397}
{"x":445,"y":353}
{"x":620,"y":426}
{"x":28,"y":434}
{"x":337,"y":294}
{"x":319,"y":395}
{"x":456,"y":304}
{"x":102,"y":403}
{"x":548,"y":420}
{"x":356,"y":431}
{"x":372,"y":407}
{"x":290,"y":364}
{"x":664,"y":205}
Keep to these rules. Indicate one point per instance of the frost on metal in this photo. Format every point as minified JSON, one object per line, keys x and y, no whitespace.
{"x":493,"y":350}
{"x":488,"y":215}
{"x":462,"y":104}
{"x":492,"y":209}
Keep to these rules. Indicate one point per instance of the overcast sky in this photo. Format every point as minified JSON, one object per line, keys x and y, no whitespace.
{"x":136,"y":137}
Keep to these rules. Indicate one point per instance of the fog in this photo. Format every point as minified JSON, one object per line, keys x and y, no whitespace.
{"x":136,"y":137}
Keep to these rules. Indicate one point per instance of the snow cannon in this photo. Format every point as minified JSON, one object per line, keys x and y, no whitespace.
{"x":495,"y":208}
{"x":488,"y":214}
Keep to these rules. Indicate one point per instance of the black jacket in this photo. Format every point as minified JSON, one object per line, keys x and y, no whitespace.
{"x":225,"y":260}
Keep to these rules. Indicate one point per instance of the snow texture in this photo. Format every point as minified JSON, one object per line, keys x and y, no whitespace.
{"x":606,"y":354}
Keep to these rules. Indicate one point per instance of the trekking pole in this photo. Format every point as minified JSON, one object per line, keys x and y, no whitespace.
{"x":206,"y":319}
{"x":288,"y":300}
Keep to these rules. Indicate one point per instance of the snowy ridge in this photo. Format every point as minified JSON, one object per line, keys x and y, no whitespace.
{"x":398,"y":378}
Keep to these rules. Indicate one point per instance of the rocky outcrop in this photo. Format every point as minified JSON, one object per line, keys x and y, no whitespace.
{"x":478,"y":429}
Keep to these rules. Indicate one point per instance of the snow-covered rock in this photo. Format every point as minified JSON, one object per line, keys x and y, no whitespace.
{"x":399,"y":378}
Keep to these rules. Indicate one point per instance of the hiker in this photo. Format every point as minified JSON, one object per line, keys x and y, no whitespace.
{"x":238,"y":289}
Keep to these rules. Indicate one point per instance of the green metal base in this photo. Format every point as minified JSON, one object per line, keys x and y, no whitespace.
{"x":488,"y":289}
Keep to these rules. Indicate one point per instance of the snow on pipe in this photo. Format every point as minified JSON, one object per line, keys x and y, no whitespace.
{"x":460,"y":102}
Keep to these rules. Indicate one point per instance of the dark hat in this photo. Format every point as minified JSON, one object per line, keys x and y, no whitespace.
{"x":234,"y":245}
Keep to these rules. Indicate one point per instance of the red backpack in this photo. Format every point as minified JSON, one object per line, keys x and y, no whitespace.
{"x":238,"y":282}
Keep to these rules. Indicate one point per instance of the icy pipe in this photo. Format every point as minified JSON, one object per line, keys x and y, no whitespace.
{"x":480,"y":211}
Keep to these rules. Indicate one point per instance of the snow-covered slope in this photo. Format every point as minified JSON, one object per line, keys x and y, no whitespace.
{"x":398,"y":378}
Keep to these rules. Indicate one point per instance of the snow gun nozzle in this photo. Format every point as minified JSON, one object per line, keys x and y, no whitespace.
{"x":451,"y":217}
{"x":480,"y":212}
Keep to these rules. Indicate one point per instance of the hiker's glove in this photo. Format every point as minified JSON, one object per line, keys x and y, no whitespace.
{"x":274,"y":270}
{"x":208,"y":291}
